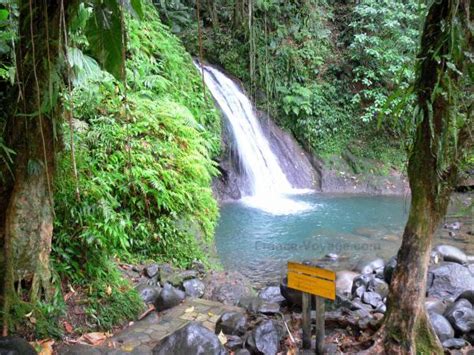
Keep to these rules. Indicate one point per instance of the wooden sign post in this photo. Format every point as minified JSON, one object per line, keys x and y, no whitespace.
{"x":315,"y":281}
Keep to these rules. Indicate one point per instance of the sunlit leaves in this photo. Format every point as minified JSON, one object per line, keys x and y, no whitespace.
{"x":145,"y":178}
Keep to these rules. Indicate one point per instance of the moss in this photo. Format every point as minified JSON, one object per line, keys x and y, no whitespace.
{"x":425,"y":339}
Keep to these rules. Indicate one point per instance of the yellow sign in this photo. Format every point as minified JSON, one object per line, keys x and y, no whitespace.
{"x":313,"y":280}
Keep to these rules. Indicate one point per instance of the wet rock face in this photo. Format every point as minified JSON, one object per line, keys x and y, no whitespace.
{"x":297,"y":165}
{"x":13,"y":345}
{"x":169,"y":297}
{"x":293,"y":159}
{"x":192,"y":339}
{"x":232,"y":323}
{"x":231,"y":183}
{"x":449,"y":280}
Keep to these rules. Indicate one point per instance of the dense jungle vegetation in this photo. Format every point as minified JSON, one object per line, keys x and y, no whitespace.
{"x":109,"y":141}
{"x":323,"y":69}
{"x":134,"y":160}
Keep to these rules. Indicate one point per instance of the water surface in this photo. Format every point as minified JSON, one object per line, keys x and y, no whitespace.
{"x":259,"y":243}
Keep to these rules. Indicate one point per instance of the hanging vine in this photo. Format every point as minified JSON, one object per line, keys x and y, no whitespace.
{"x":70,"y":106}
{"x":201,"y":54}
{"x":252,"y":48}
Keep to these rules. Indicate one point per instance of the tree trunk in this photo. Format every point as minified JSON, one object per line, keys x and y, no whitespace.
{"x":432,"y":171}
{"x":211,"y":7}
{"x":239,"y":13}
{"x":407,"y":329}
{"x":27,"y":222}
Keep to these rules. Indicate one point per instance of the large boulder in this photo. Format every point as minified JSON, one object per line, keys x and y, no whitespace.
{"x":232,"y":323}
{"x":450,"y":253}
{"x":449,"y":280}
{"x":169,"y":297}
{"x":265,"y":338}
{"x":192,"y":339}
{"x":13,"y":345}
{"x":344,"y":280}
{"x":461,"y":316}
{"x":441,"y":326}
{"x":148,"y":293}
{"x":194,"y":288}
{"x":227,"y":287}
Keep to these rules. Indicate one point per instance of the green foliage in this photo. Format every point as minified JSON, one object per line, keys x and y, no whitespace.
{"x":323,"y":69}
{"x":319,"y":116}
{"x":111,"y":301}
{"x":383,"y":48}
{"x":39,"y":318}
{"x":107,"y":301}
{"x":144,"y":159}
{"x":104,"y":31}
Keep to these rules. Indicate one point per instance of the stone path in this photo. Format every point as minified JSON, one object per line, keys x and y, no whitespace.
{"x":141,"y":337}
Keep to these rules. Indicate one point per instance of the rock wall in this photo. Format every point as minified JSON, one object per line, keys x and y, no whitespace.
{"x":344,"y":174}
{"x":294,"y":160}
{"x":297,"y":164}
{"x":303,"y":170}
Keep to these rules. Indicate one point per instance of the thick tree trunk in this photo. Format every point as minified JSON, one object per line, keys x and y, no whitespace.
{"x":432,"y":170}
{"x":407,"y":329}
{"x":27,"y":221}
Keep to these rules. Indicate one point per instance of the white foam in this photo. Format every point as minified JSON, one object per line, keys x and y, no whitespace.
{"x":269,"y":186}
{"x":277,"y":204}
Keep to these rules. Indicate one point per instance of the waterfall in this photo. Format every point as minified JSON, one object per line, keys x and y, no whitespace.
{"x":268,"y":183}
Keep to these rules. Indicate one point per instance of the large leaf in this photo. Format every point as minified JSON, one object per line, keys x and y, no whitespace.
{"x":105,"y":34}
{"x":137,"y":7}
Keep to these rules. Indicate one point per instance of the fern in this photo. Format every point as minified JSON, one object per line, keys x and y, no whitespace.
{"x":145,"y":182}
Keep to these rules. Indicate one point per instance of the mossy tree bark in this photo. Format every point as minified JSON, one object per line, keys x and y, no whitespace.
{"x":432,"y":170}
{"x":26,"y":221}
